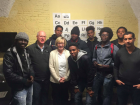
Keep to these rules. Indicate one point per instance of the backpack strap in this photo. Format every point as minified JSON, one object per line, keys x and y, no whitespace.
{"x":112,"y":49}
{"x":96,"y":47}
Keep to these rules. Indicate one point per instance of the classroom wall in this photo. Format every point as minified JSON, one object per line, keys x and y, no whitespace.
{"x":31,"y":16}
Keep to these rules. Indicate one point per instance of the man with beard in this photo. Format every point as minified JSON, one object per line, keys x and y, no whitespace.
{"x":39,"y":54}
{"x":18,"y":72}
{"x":51,"y":40}
{"x":127,"y":71}
{"x":103,"y":59}
{"x":120,"y":32}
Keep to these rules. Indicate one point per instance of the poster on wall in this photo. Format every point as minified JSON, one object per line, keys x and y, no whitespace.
{"x":64,"y":19}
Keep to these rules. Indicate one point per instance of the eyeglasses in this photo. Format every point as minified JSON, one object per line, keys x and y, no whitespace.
{"x":104,"y":35}
{"x":60,"y":43}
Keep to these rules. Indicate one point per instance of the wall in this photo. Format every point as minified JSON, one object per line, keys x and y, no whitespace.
{"x":32,"y":16}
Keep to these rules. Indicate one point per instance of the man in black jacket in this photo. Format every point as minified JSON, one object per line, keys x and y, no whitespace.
{"x":127,"y":71}
{"x":51,"y":40}
{"x":120,"y":32}
{"x":91,"y":41}
{"x":75,"y":32}
{"x":81,"y":74}
{"x":39,"y":54}
{"x":18,"y":72}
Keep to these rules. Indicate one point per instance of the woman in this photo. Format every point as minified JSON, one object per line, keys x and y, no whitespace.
{"x":59,"y":69}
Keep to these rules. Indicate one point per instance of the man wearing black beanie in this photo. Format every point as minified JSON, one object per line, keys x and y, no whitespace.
{"x":103,"y":59}
{"x":75,"y":32}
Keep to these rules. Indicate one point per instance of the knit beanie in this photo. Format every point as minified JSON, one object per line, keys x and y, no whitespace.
{"x":75,"y":30}
{"x":22,"y":35}
{"x":108,"y":30}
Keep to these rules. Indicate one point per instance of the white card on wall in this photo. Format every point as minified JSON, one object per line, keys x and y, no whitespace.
{"x":82,"y":29}
{"x":56,"y":22}
{"x":97,"y":35}
{"x":75,"y":22}
{"x":65,"y":22}
{"x":98,"y":28}
{"x":66,"y":29}
{"x":83,"y":36}
{"x":83,"y":22}
{"x":99,"y":22}
{"x":57,"y":16}
{"x":65,"y":15}
{"x":67,"y":36}
{"x":91,"y":22}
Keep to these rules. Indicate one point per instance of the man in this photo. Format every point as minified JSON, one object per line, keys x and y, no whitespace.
{"x":18,"y":72}
{"x":51,"y":40}
{"x":81,"y":74}
{"x":39,"y":54}
{"x":103,"y":59}
{"x":120,"y":32}
{"x":127,"y":71}
{"x":75,"y":32}
{"x":91,"y":41}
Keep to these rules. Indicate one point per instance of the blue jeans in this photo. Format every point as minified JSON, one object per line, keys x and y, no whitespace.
{"x":40,"y":92}
{"x":23,"y":97}
{"x":123,"y":91}
{"x":78,"y":96}
{"x":107,"y":83}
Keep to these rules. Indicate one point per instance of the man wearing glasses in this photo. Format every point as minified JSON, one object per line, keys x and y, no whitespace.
{"x":103,"y":59}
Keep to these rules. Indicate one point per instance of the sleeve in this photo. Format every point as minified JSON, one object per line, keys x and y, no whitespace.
{"x":10,"y":75}
{"x":116,"y":66}
{"x":94,"y":55}
{"x":52,"y":68}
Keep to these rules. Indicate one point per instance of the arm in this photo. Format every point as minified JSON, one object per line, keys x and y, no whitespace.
{"x":52,"y":68}
{"x":10,"y":75}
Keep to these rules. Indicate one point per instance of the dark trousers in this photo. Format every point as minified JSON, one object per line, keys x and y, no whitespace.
{"x":123,"y":91}
{"x":40,"y":92}
{"x":60,"y":93}
{"x":107,"y":83}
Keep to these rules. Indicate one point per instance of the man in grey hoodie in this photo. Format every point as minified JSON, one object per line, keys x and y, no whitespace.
{"x":81,"y":73}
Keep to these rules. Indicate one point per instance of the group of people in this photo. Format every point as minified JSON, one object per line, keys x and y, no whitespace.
{"x":73,"y":66}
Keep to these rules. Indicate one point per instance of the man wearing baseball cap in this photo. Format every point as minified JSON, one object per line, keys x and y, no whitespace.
{"x":18,"y":71}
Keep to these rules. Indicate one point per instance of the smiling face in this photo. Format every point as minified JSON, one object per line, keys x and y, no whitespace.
{"x":41,"y":37}
{"x":21,"y":43}
{"x":128,"y":40}
{"x":73,"y":51}
{"x":61,"y":45}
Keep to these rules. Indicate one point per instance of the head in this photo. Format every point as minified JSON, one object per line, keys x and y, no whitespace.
{"x":106,"y":34}
{"x":73,"y":49}
{"x":41,"y":37}
{"x":129,"y":39}
{"x":75,"y":32}
{"x":58,"y":30}
{"x":120,"y":32}
{"x":60,"y":43}
{"x":21,"y":40}
{"x":90,"y":32}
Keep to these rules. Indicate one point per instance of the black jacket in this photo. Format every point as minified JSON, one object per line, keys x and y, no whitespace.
{"x":82,"y":46}
{"x":81,"y":69}
{"x":40,"y":61}
{"x":91,"y":45}
{"x":115,"y":42}
{"x":13,"y":71}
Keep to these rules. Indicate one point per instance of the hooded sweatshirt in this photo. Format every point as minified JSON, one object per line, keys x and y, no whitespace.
{"x":81,"y":69}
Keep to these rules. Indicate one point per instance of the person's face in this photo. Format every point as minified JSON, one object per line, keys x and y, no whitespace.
{"x":60,"y":45}
{"x":22,"y":43}
{"x":74,"y":37}
{"x":58,"y":31}
{"x":128,"y":40}
{"x":90,"y":34}
{"x":41,"y":37}
{"x":73,"y":51}
{"x":120,"y":33}
{"x":105,"y":37}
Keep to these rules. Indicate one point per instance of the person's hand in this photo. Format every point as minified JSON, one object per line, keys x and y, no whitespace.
{"x":31,"y":79}
{"x":120,"y":82}
{"x":103,"y":66}
{"x":61,"y":80}
{"x":95,"y":63}
{"x":76,"y":90}
{"x":137,"y":86}
{"x":90,"y":92}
